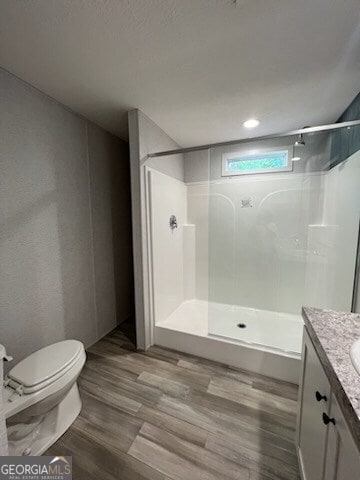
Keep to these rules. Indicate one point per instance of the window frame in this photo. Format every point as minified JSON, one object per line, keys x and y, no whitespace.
{"x":257,"y":152}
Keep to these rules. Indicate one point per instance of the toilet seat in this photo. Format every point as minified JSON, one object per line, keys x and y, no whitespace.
{"x":41,"y":397}
{"x":19,"y":396}
{"x":44,"y":367}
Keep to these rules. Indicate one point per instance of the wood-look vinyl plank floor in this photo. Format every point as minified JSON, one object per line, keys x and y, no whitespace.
{"x":260,"y":460}
{"x":164,"y":415}
{"x":204,"y":459}
{"x":233,"y":415}
{"x":184,"y":430}
{"x":101,"y":461}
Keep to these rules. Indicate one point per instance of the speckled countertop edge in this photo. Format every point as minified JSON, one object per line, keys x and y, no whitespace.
{"x":333,"y":334}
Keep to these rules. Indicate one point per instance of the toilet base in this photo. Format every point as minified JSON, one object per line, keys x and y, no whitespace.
{"x":37,"y":437}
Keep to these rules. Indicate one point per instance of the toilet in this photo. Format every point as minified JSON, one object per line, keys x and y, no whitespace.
{"x":41,"y":397}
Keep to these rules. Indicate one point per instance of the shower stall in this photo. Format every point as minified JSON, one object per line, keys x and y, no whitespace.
{"x":252,"y":231}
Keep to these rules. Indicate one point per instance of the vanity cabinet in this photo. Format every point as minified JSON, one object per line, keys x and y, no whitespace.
{"x":342,"y":461}
{"x":314,"y":401}
{"x":326,"y":449}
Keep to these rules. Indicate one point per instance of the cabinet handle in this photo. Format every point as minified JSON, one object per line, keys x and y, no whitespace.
{"x":320,"y":397}
{"x":327,"y":419}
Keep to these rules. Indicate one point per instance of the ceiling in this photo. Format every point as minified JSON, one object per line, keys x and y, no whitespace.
{"x":198,"y":68}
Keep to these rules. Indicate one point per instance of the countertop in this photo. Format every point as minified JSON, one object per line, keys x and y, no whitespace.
{"x":332,"y":334}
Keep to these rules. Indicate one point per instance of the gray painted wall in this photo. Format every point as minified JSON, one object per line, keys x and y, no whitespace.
{"x":196,"y":166}
{"x":146,"y":137}
{"x":153,"y":139}
{"x":64,"y":189}
{"x":111,"y":226}
{"x":345,"y":141}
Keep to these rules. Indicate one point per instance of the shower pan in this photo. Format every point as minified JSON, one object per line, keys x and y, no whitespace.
{"x":257,"y":236}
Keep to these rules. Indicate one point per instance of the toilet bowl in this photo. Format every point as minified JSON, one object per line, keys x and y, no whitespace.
{"x":42,"y":398}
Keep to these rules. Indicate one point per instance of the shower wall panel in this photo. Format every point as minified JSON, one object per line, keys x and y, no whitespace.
{"x":167,"y":196}
{"x":258,"y":252}
{"x":333,"y":243}
{"x":198,"y":215}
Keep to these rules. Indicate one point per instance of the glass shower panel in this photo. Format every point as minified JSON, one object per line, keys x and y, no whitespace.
{"x":263,"y":195}
{"x":333,"y":241}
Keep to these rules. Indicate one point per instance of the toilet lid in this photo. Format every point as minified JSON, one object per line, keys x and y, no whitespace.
{"x":40,"y":366}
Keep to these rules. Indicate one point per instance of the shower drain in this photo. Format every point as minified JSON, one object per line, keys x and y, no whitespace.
{"x":241,"y":325}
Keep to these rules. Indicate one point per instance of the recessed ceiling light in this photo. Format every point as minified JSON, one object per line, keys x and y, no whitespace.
{"x":251,"y":123}
{"x":296,"y":159}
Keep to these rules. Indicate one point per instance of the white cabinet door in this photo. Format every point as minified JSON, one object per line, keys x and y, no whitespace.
{"x":314,"y":399}
{"x":342,"y":455}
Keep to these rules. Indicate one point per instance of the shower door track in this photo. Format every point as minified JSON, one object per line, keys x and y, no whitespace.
{"x":319,"y":128}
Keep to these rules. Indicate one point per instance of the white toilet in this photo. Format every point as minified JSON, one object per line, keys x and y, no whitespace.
{"x":42,"y":398}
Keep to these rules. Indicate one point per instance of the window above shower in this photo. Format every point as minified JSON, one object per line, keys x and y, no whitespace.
{"x":257,"y":161}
